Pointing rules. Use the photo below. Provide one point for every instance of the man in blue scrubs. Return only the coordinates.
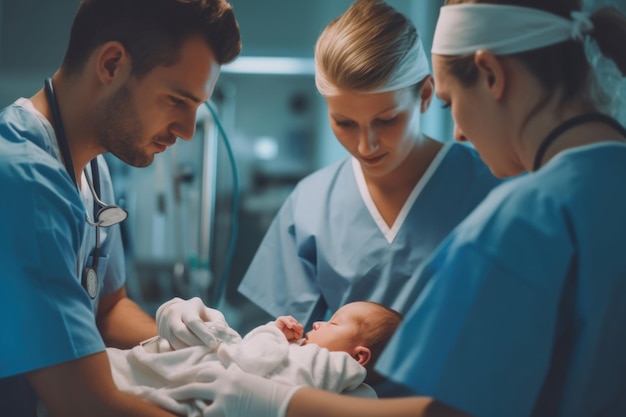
(133, 76)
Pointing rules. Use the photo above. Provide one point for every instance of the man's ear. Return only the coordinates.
(428, 90)
(491, 72)
(362, 355)
(112, 62)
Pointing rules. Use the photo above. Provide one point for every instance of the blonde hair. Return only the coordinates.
(370, 47)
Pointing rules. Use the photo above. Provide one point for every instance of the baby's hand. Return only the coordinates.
(290, 327)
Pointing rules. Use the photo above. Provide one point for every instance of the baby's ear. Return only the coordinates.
(362, 355)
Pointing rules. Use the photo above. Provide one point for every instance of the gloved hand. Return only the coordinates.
(232, 392)
(185, 323)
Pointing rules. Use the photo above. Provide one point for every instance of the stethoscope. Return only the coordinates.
(105, 215)
(570, 123)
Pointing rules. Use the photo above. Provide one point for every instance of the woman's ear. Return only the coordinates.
(112, 61)
(427, 92)
(491, 72)
(362, 355)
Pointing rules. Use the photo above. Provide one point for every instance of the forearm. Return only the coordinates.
(122, 323)
(308, 402)
(119, 405)
(127, 405)
(85, 387)
(312, 403)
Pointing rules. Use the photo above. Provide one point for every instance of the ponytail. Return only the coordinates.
(610, 35)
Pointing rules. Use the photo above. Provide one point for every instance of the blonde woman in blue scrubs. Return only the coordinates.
(359, 228)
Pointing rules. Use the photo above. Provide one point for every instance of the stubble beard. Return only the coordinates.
(119, 129)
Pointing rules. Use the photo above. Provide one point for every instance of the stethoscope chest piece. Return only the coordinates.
(90, 282)
(110, 215)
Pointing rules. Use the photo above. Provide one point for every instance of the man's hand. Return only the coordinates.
(185, 323)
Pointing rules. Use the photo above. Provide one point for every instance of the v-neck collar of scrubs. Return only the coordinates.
(391, 232)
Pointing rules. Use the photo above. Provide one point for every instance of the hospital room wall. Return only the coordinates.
(33, 35)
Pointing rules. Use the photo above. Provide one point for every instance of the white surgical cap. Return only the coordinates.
(501, 29)
(411, 70)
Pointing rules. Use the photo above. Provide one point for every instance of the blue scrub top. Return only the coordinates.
(522, 312)
(45, 314)
(325, 247)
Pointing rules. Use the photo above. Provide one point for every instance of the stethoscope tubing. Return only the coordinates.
(94, 185)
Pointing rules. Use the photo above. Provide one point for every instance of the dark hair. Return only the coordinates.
(564, 65)
(151, 30)
(377, 331)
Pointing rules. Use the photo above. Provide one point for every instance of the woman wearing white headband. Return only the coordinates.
(523, 309)
(358, 229)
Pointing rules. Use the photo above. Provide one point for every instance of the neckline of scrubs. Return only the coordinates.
(390, 233)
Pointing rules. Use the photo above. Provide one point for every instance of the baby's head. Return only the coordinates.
(361, 328)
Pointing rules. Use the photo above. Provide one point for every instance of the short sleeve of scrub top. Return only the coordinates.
(45, 314)
(276, 258)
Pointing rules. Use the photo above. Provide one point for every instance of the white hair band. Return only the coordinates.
(502, 29)
(412, 69)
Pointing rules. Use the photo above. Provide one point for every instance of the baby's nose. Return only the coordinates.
(317, 325)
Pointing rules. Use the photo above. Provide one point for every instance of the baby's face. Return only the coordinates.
(341, 332)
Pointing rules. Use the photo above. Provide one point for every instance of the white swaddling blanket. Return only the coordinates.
(264, 351)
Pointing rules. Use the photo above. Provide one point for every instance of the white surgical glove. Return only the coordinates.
(185, 323)
(234, 393)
